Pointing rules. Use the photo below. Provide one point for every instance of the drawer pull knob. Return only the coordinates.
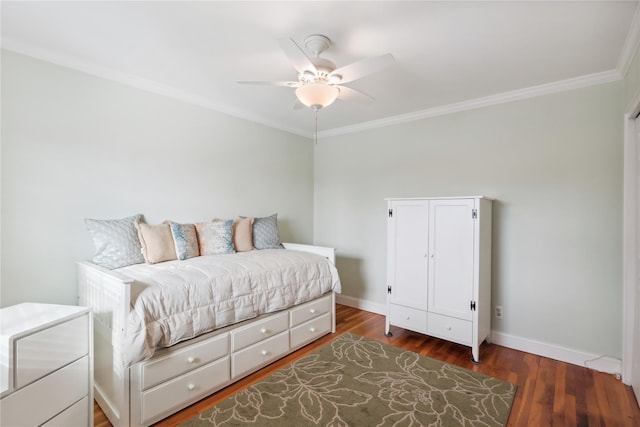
(312, 329)
(264, 352)
(312, 311)
(263, 330)
(191, 359)
(408, 318)
(448, 327)
(191, 386)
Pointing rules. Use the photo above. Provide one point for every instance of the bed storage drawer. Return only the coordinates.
(310, 310)
(258, 331)
(184, 360)
(313, 329)
(259, 354)
(179, 392)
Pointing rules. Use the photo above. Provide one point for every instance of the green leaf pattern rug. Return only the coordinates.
(355, 381)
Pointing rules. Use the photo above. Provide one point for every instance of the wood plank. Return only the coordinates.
(550, 393)
(560, 396)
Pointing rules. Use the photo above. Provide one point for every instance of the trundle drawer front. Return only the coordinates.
(409, 318)
(181, 391)
(450, 328)
(259, 354)
(307, 332)
(259, 330)
(59, 390)
(310, 310)
(62, 344)
(184, 360)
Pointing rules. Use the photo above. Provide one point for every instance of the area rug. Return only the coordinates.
(355, 381)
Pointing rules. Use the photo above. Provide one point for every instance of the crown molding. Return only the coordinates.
(501, 98)
(190, 98)
(631, 44)
(139, 83)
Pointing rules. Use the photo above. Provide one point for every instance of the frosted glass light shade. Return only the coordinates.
(317, 95)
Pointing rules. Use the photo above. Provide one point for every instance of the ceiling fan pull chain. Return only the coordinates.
(315, 134)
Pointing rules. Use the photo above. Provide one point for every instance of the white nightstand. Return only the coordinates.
(46, 361)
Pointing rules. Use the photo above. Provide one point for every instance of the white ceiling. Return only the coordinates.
(446, 53)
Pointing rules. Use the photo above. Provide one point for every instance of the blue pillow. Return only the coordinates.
(185, 240)
(265, 233)
(116, 241)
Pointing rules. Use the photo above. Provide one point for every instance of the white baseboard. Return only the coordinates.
(372, 307)
(606, 364)
(596, 362)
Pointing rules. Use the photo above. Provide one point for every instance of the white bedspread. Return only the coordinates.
(177, 300)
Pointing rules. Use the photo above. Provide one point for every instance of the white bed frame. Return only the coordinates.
(178, 376)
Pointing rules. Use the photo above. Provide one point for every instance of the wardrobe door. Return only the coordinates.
(407, 253)
(451, 257)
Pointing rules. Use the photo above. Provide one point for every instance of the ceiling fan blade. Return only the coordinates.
(296, 55)
(361, 68)
(285, 84)
(349, 94)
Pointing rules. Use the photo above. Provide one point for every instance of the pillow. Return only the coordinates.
(243, 235)
(185, 240)
(157, 242)
(265, 233)
(214, 238)
(116, 241)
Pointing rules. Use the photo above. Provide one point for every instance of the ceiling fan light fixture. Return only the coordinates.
(317, 95)
(334, 79)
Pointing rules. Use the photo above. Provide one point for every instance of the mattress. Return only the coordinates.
(177, 300)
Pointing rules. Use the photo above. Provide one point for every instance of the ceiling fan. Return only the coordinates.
(319, 82)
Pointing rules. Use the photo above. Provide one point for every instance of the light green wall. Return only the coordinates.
(554, 165)
(76, 146)
(632, 82)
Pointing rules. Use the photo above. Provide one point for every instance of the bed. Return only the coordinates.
(156, 353)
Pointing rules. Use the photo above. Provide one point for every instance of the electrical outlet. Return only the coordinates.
(498, 312)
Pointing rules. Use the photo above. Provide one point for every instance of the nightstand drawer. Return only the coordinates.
(259, 354)
(76, 415)
(181, 361)
(33, 405)
(310, 310)
(307, 332)
(62, 344)
(450, 328)
(259, 331)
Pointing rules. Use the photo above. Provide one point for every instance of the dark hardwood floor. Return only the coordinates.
(550, 393)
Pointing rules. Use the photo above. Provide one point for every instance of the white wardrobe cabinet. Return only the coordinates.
(439, 268)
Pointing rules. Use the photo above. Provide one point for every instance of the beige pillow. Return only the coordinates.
(157, 242)
(242, 234)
